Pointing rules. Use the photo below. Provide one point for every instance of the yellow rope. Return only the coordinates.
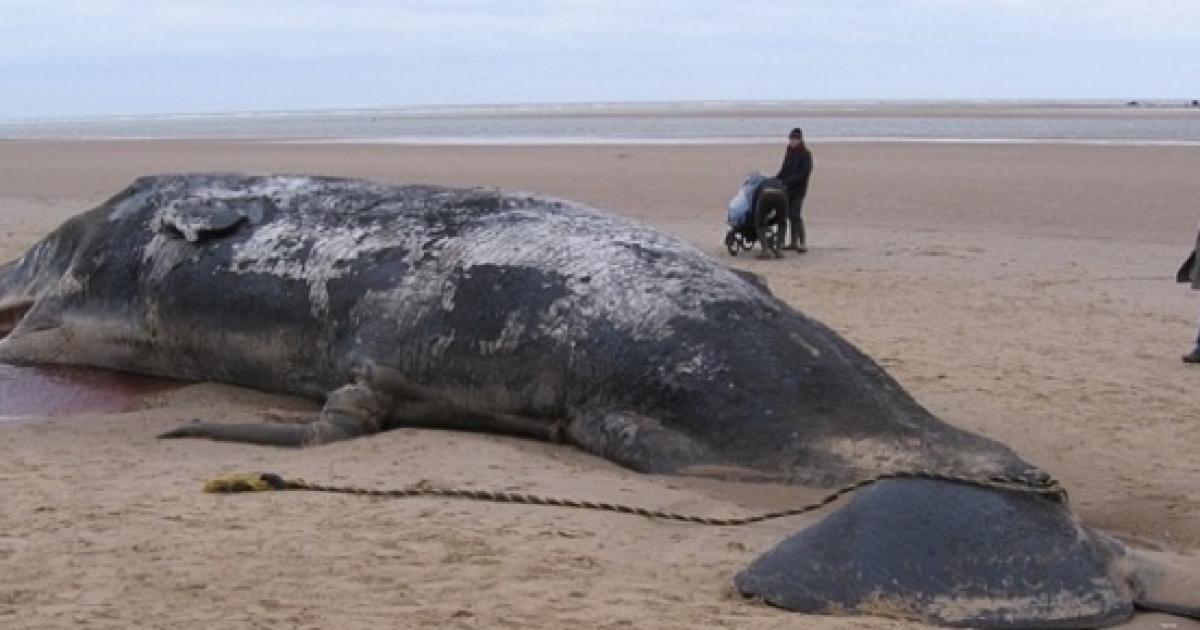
(242, 482)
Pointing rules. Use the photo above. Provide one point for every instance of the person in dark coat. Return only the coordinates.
(795, 172)
(1189, 272)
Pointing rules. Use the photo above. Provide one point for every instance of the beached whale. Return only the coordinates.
(518, 314)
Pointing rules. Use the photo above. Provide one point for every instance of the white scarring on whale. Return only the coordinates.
(520, 314)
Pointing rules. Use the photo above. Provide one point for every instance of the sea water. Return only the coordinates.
(657, 123)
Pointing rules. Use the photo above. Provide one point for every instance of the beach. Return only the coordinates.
(1021, 290)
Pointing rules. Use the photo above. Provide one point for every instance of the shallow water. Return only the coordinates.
(697, 122)
(44, 391)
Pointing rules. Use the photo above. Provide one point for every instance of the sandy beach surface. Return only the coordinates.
(1023, 291)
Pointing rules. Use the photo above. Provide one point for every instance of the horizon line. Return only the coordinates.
(625, 106)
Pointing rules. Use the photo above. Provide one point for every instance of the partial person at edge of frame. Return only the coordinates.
(1189, 272)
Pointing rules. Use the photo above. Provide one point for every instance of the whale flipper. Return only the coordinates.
(349, 412)
(950, 554)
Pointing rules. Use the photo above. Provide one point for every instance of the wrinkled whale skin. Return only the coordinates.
(514, 313)
(636, 346)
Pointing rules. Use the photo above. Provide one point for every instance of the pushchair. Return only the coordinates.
(757, 214)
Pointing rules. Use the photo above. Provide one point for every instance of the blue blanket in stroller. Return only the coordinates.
(741, 207)
(757, 212)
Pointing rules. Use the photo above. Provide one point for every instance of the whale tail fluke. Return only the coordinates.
(958, 555)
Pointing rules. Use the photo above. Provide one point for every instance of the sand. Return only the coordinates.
(1022, 291)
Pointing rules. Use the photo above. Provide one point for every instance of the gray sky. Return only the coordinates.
(100, 57)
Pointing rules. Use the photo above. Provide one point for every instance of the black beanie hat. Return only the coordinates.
(796, 134)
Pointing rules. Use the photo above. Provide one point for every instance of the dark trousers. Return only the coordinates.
(796, 217)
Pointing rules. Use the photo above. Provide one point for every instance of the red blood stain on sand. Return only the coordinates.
(41, 391)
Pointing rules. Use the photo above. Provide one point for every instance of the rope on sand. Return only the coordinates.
(262, 482)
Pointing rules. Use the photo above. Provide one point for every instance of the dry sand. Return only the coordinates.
(1021, 291)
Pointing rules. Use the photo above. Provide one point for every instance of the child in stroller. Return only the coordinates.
(757, 214)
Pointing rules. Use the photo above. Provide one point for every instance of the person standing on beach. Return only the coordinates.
(795, 172)
(1189, 272)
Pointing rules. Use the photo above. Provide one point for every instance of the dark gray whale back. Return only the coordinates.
(507, 312)
(644, 349)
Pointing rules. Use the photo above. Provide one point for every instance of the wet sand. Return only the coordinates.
(1021, 291)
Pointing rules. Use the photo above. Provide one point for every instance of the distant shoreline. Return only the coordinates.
(998, 107)
(467, 142)
(1077, 122)
(614, 142)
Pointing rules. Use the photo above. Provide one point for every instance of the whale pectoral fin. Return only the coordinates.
(349, 412)
(246, 433)
(949, 554)
(1166, 582)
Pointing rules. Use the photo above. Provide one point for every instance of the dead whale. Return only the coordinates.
(511, 313)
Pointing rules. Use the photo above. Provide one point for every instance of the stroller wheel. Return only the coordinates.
(732, 242)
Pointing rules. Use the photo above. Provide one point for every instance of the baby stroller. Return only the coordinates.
(756, 215)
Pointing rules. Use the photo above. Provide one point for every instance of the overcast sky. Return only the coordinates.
(100, 57)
